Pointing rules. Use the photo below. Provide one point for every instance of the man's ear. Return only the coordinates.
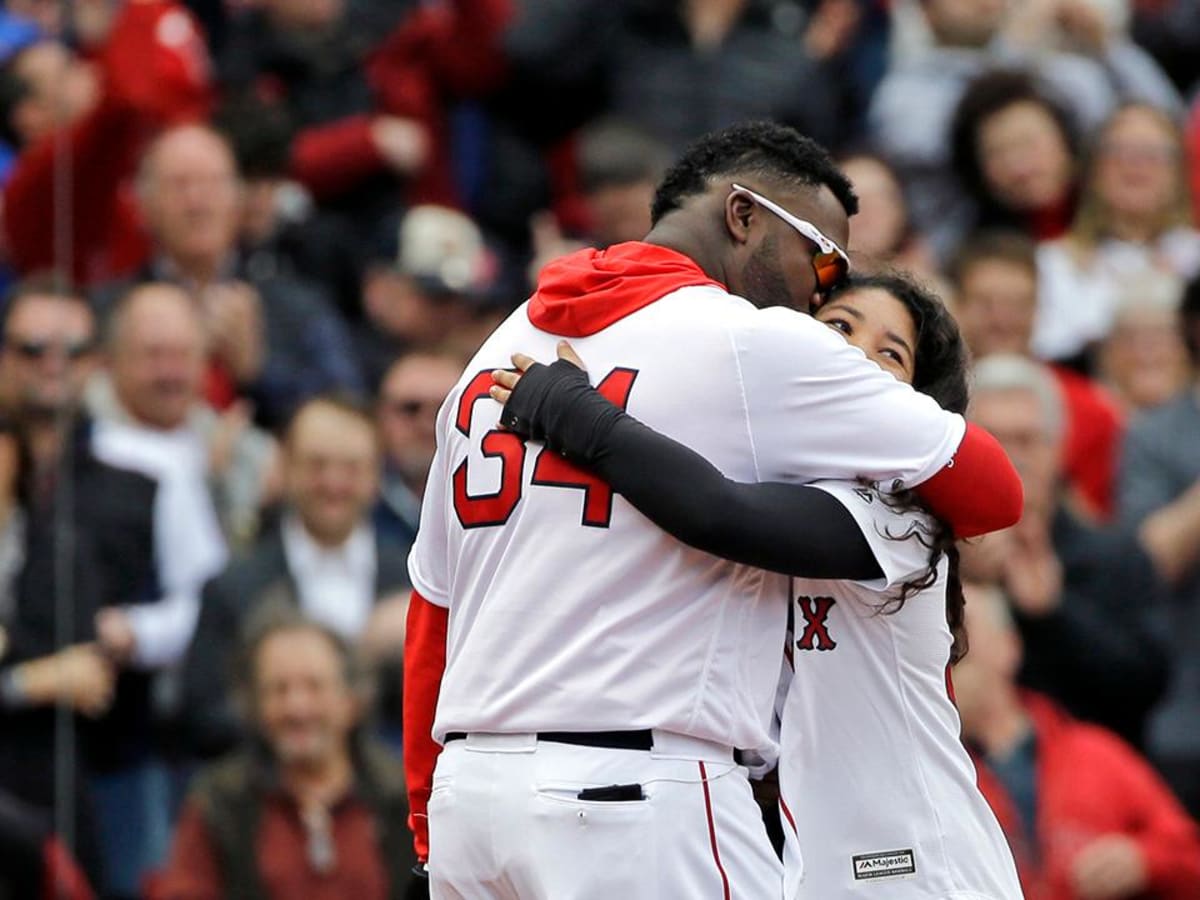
(739, 215)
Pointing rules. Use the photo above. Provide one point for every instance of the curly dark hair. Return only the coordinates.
(941, 364)
(766, 149)
(987, 95)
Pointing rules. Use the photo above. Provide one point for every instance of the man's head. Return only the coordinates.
(409, 397)
(49, 348)
(190, 196)
(44, 86)
(1019, 402)
(995, 276)
(986, 676)
(303, 687)
(1143, 359)
(964, 23)
(156, 354)
(426, 274)
(331, 467)
(619, 166)
(749, 246)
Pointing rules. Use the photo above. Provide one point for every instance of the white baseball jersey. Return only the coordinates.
(570, 611)
(879, 795)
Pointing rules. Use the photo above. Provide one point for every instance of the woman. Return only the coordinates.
(875, 785)
(1014, 150)
(1134, 218)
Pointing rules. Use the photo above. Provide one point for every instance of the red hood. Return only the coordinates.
(586, 291)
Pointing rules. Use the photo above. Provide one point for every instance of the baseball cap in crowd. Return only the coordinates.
(443, 250)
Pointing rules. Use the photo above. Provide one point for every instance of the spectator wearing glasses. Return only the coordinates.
(325, 557)
(1135, 216)
(90, 609)
(307, 806)
(409, 399)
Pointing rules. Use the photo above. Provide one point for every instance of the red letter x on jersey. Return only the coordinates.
(816, 635)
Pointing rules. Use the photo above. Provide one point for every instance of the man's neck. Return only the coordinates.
(674, 234)
(46, 438)
(319, 784)
(196, 273)
(327, 541)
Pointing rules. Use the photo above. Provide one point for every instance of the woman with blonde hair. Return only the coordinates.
(1134, 217)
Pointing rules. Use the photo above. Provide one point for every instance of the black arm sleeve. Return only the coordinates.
(786, 528)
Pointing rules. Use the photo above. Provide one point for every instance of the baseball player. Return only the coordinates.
(588, 676)
(877, 792)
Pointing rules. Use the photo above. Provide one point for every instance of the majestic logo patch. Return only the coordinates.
(865, 494)
(890, 864)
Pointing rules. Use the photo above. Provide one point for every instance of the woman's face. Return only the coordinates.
(1137, 164)
(877, 324)
(1024, 157)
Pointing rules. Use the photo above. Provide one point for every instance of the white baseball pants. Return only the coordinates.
(505, 821)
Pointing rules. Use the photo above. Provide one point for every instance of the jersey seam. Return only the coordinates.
(741, 387)
(921, 773)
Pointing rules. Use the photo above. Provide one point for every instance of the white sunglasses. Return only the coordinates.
(830, 263)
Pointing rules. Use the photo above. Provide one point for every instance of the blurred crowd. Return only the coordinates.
(249, 245)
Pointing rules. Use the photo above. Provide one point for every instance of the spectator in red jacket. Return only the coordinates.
(153, 71)
(1086, 816)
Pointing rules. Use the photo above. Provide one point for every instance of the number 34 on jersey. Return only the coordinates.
(550, 470)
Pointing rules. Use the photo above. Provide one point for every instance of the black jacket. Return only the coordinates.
(88, 545)
(227, 603)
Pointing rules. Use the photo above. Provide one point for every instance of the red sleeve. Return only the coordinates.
(100, 149)
(330, 159)
(457, 46)
(156, 61)
(424, 662)
(193, 871)
(978, 490)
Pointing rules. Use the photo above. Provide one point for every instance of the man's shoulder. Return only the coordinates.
(254, 571)
(117, 490)
(1163, 422)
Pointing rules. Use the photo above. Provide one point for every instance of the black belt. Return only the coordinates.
(613, 740)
